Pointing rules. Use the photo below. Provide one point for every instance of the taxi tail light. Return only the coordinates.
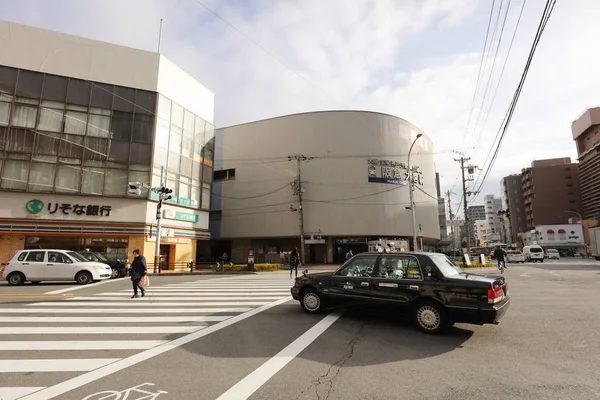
(494, 295)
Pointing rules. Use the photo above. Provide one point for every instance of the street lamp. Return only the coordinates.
(574, 212)
(410, 189)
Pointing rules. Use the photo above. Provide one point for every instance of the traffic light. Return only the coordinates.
(164, 192)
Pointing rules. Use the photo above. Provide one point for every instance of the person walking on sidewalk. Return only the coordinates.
(138, 269)
(294, 262)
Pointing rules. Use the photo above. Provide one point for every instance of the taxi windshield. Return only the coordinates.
(446, 266)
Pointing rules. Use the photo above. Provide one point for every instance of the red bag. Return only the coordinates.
(145, 281)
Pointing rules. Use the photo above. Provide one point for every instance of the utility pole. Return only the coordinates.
(466, 194)
(298, 190)
(448, 196)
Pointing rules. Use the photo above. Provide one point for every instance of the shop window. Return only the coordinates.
(184, 190)
(124, 99)
(8, 80)
(102, 95)
(68, 179)
(186, 166)
(195, 193)
(175, 139)
(160, 156)
(71, 146)
(177, 115)
(122, 124)
(164, 109)
(173, 184)
(206, 196)
(99, 124)
(20, 140)
(4, 112)
(78, 92)
(29, 84)
(41, 177)
(24, 116)
(145, 102)
(140, 154)
(142, 128)
(14, 174)
(227, 174)
(174, 159)
(75, 122)
(93, 180)
(197, 170)
(115, 183)
(119, 152)
(51, 119)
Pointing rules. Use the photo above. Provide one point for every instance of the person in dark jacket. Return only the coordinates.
(138, 269)
(499, 255)
(294, 262)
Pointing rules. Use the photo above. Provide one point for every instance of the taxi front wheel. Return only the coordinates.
(311, 301)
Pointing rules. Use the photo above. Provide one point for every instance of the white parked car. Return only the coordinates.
(553, 254)
(53, 265)
(515, 256)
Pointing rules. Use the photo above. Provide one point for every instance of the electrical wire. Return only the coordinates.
(507, 119)
(253, 196)
(433, 197)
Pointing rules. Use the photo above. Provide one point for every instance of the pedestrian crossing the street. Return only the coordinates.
(61, 339)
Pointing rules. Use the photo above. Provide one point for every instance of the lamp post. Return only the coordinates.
(576, 213)
(410, 190)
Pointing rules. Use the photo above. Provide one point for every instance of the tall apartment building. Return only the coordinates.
(585, 133)
(514, 205)
(474, 213)
(492, 206)
(550, 191)
(441, 209)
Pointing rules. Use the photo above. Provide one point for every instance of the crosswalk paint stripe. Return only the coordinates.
(224, 290)
(13, 393)
(153, 304)
(135, 344)
(132, 310)
(224, 287)
(176, 298)
(224, 284)
(96, 330)
(128, 319)
(196, 294)
(55, 365)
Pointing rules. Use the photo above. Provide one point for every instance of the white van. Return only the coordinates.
(533, 253)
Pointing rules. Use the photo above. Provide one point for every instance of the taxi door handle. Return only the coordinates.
(413, 287)
(25, 263)
(50, 264)
(364, 284)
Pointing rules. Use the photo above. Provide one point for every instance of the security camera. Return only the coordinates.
(134, 188)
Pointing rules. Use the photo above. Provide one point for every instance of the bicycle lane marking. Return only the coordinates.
(116, 395)
(252, 382)
(81, 380)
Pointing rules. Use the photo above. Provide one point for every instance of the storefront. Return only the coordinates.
(112, 226)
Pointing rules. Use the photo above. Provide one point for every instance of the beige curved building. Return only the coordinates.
(354, 185)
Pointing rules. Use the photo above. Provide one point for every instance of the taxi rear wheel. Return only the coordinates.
(430, 317)
(311, 301)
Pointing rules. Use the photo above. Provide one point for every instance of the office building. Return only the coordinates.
(492, 208)
(79, 119)
(587, 139)
(514, 205)
(550, 192)
(441, 209)
(474, 213)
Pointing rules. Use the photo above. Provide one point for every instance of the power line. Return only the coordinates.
(507, 119)
(253, 196)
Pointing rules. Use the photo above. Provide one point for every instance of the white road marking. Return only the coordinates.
(147, 304)
(232, 290)
(13, 393)
(196, 294)
(59, 365)
(33, 345)
(130, 319)
(228, 285)
(118, 365)
(132, 310)
(150, 298)
(252, 382)
(524, 275)
(74, 330)
(78, 287)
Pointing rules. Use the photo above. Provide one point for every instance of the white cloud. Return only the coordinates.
(355, 55)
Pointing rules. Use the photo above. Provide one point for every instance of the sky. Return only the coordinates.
(415, 59)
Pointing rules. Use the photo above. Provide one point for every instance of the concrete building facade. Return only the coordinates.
(79, 119)
(354, 171)
(586, 134)
(514, 205)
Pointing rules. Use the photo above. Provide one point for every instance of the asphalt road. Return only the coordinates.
(260, 345)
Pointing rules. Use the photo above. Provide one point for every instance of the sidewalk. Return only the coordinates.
(208, 271)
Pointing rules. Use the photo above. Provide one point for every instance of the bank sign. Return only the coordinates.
(36, 207)
(393, 172)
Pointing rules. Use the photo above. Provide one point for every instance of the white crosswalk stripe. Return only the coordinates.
(82, 333)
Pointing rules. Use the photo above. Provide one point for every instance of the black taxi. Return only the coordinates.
(429, 286)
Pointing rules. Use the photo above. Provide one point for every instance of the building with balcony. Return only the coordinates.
(550, 192)
(585, 130)
(493, 206)
(79, 119)
(474, 213)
